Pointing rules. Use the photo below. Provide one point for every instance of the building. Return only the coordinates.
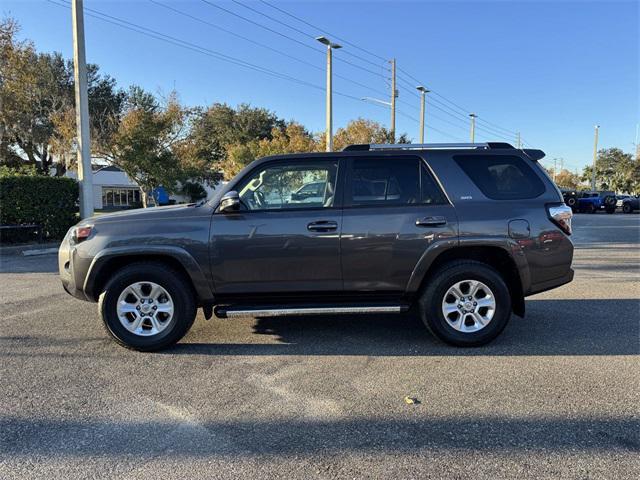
(114, 190)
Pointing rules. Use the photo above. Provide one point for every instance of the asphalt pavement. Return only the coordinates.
(555, 396)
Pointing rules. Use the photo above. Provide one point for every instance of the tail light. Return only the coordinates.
(82, 233)
(561, 215)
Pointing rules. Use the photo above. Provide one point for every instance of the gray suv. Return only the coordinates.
(461, 232)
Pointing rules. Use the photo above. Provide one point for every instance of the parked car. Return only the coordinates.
(591, 202)
(461, 232)
(630, 204)
(570, 198)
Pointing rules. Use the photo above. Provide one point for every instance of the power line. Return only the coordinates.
(430, 126)
(487, 126)
(462, 110)
(262, 45)
(230, 12)
(297, 29)
(196, 48)
(324, 30)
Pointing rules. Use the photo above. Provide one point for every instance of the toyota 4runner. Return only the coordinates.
(461, 232)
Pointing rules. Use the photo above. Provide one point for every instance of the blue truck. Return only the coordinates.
(591, 202)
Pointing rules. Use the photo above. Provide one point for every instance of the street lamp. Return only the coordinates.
(423, 92)
(329, 128)
(473, 117)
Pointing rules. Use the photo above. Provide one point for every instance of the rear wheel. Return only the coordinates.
(147, 306)
(591, 208)
(466, 303)
(626, 208)
(611, 210)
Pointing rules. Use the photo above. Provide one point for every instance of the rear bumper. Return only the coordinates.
(551, 284)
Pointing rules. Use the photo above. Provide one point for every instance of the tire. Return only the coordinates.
(626, 208)
(432, 302)
(591, 208)
(611, 210)
(178, 297)
(571, 202)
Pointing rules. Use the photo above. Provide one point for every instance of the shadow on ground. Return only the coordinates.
(22, 436)
(551, 327)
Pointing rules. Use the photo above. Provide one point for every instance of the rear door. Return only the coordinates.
(393, 211)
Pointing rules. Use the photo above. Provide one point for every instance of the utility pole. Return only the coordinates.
(637, 146)
(555, 169)
(595, 157)
(518, 141)
(329, 106)
(423, 93)
(85, 174)
(394, 94)
(473, 126)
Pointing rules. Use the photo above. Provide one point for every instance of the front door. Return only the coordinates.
(393, 211)
(286, 236)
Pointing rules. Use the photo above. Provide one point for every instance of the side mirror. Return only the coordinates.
(230, 202)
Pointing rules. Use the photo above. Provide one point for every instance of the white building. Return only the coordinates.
(113, 189)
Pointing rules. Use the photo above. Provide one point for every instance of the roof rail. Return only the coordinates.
(423, 146)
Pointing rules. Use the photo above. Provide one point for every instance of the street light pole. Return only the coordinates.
(85, 174)
(595, 157)
(329, 101)
(423, 93)
(393, 100)
(473, 126)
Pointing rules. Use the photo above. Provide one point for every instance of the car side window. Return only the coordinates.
(289, 185)
(385, 182)
(431, 192)
(393, 181)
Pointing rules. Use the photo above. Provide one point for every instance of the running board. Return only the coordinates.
(224, 311)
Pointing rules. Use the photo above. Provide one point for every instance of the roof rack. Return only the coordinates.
(424, 146)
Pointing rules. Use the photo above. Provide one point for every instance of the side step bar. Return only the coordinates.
(230, 311)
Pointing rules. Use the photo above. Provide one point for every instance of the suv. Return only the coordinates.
(461, 232)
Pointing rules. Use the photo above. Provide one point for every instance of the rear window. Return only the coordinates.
(501, 177)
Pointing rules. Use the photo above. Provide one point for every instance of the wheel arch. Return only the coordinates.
(108, 261)
(496, 256)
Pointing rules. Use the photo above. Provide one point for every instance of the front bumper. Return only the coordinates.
(72, 270)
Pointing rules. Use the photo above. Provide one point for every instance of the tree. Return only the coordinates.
(363, 131)
(566, 179)
(293, 138)
(145, 143)
(220, 125)
(615, 170)
(37, 118)
(194, 191)
(33, 89)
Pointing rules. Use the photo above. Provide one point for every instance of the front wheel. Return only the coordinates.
(147, 306)
(626, 208)
(466, 303)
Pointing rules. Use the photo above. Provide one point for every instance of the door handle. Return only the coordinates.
(322, 226)
(431, 222)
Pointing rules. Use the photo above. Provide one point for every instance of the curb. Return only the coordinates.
(48, 248)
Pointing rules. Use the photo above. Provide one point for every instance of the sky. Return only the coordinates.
(550, 70)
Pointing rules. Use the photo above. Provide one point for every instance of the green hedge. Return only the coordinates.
(49, 201)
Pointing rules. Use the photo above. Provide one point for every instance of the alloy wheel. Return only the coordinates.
(468, 306)
(145, 308)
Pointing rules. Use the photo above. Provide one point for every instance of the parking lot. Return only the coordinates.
(555, 396)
